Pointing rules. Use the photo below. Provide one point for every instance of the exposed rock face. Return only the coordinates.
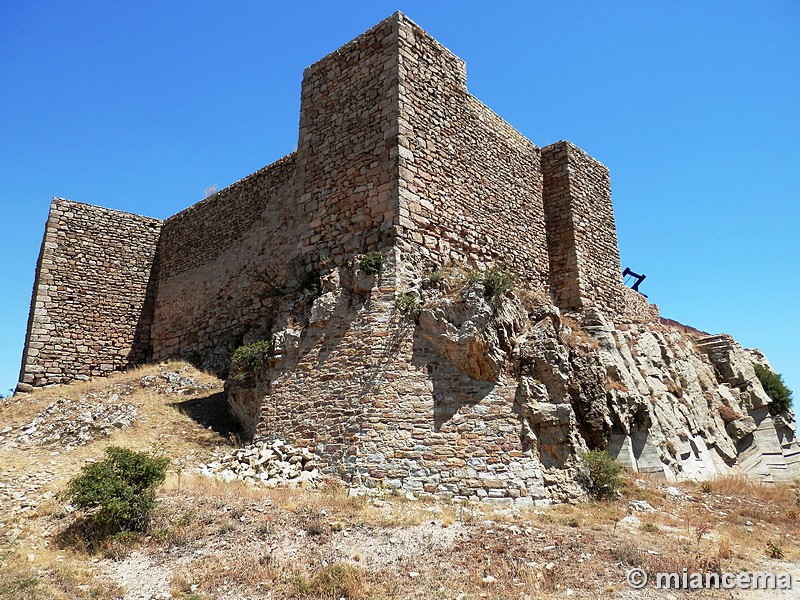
(690, 407)
(497, 398)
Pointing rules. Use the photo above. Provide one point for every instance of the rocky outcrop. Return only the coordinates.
(468, 394)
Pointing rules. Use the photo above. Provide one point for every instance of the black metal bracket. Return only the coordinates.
(639, 279)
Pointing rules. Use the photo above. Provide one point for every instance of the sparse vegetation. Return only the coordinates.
(371, 263)
(604, 472)
(118, 493)
(775, 387)
(497, 281)
(408, 304)
(435, 276)
(248, 360)
(774, 550)
(327, 543)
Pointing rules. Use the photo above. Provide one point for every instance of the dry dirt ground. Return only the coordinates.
(211, 539)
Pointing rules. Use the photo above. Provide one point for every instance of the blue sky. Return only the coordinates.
(692, 105)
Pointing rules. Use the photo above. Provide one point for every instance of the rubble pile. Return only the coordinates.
(265, 463)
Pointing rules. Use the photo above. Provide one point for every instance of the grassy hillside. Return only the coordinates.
(211, 539)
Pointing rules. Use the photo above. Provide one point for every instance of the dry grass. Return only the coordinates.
(219, 539)
(47, 575)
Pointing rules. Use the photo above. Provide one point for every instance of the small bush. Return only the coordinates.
(775, 388)
(248, 360)
(499, 281)
(372, 262)
(118, 493)
(774, 550)
(408, 304)
(604, 474)
(435, 276)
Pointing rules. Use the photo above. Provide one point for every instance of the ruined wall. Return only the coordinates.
(91, 307)
(470, 185)
(581, 235)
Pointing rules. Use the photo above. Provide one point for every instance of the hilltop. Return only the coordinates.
(213, 538)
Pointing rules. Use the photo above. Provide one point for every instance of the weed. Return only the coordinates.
(371, 263)
(435, 276)
(774, 550)
(499, 281)
(408, 304)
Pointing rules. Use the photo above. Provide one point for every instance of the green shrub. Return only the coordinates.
(248, 360)
(408, 304)
(118, 493)
(775, 388)
(604, 474)
(435, 276)
(499, 281)
(372, 262)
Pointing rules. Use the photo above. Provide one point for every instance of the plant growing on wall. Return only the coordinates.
(775, 387)
(408, 304)
(248, 360)
(497, 281)
(372, 262)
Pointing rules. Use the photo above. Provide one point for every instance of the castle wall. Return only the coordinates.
(581, 235)
(217, 259)
(361, 387)
(382, 408)
(346, 151)
(226, 258)
(470, 185)
(91, 306)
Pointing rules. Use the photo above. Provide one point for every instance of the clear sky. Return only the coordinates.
(694, 107)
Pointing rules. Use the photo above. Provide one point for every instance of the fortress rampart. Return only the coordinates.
(393, 155)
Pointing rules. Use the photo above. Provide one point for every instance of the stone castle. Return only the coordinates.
(394, 157)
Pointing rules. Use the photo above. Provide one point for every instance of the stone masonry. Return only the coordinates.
(93, 295)
(393, 152)
(416, 376)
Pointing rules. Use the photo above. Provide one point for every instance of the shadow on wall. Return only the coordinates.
(452, 388)
(141, 350)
